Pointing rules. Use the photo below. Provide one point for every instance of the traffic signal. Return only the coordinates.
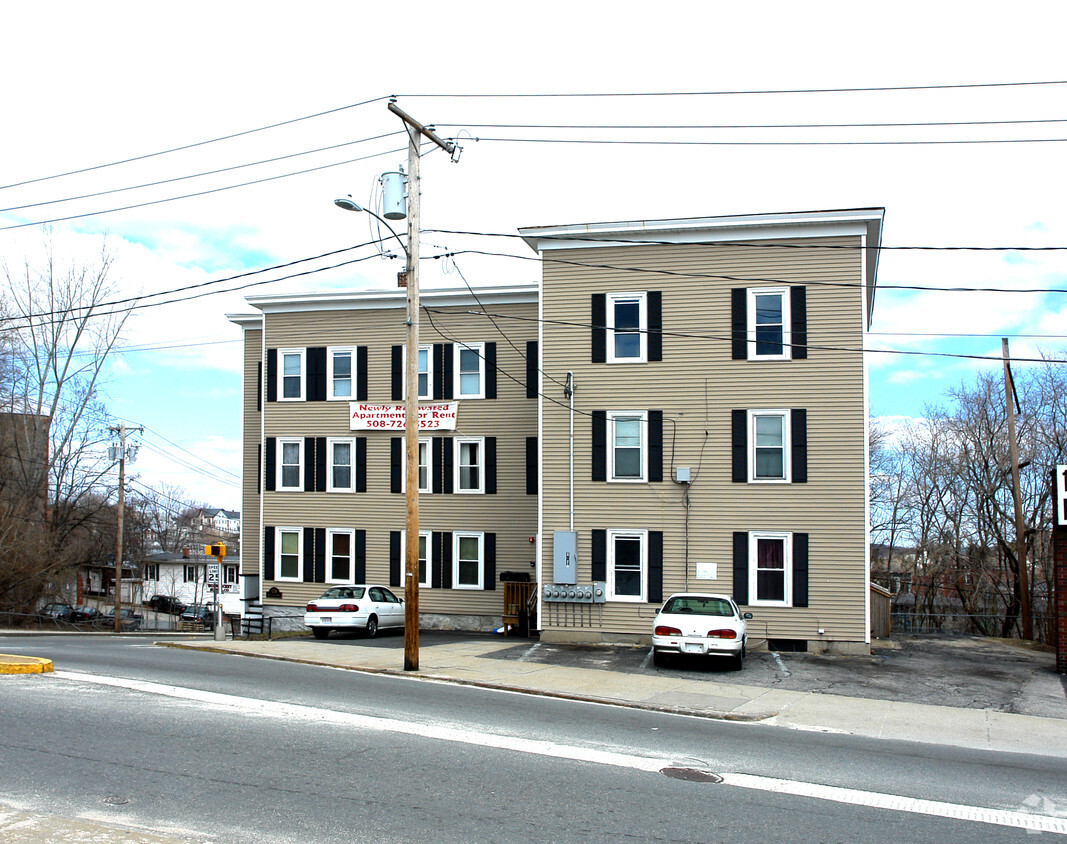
(218, 550)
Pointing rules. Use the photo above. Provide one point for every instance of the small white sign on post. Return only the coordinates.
(1061, 495)
(213, 573)
(439, 416)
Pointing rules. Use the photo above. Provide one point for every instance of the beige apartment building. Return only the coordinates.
(678, 405)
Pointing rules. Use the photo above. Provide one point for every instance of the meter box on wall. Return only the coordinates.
(586, 593)
(565, 556)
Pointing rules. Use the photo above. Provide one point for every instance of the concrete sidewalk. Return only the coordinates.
(473, 662)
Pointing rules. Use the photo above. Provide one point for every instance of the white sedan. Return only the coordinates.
(702, 624)
(364, 607)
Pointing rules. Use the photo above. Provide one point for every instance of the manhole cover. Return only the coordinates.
(115, 800)
(690, 774)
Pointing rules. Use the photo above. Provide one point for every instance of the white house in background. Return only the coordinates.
(185, 577)
(224, 521)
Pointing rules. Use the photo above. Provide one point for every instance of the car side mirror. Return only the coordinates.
(747, 616)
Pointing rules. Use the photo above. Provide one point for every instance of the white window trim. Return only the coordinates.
(750, 312)
(227, 571)
(642, 326)
(428, 536)
(186, 568)
(428, 442)
(479, 348)
(643, 416)
(457, 450)
(281, 374)
(455, 559)
(429, 371)
(151, 572)
(330, 350)
(279, 486)
(642, 535)
(330, 442)
(753, 555)
(787, 446)
(330, 534)
(299, 554)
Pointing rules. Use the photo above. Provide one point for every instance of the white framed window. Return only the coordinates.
(340, 373)
(769, 446)
(230, 574)
(627, 446)
(340, 469)
(770, 569)
(290, 374)
(469, 465)
(470, 370)
(768, 323)
(289, 553)
(151, 571)
(189, 573)
(290, 464)
(425, 555)
(425, 466)
(340, 546)
(627, 565)
(627, 318)
(425, 372)
(468, 554)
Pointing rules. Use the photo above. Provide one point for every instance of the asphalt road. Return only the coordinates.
(205, 746)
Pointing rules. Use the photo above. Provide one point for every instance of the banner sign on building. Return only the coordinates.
(1061, 495)
(440, 416)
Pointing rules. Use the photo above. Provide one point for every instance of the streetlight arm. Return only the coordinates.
(348, 204)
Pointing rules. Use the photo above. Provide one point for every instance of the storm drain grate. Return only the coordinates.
(116, 800)
(690, 774)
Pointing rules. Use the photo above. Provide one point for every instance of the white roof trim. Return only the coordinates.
(378, 299)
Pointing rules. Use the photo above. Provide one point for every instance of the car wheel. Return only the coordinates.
(372, 627)
(739, 661)
(320, 632)
(659, 658)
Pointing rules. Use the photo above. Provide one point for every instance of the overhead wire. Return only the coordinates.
(694, 126)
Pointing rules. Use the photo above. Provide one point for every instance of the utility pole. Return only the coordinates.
(121, 431)
(1020, 522)
(415, 132)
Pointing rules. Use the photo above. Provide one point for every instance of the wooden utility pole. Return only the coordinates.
(118, 538)
(415, 132)
(1020, 521)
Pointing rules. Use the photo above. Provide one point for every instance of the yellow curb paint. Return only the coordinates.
(11, 664)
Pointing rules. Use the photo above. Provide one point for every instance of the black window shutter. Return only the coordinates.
(259, 385)
(654, 308)
(361, 464)
(316, 389)
(598, 555)
(446, 560)
(320, 464)
(739, 323)
(598, 319)
(309, 464)
(396, 381)
(741, 567)
(320, 555)
(798, 318)
(394, 558)
(448, 360)
(259, 467)
(309, 555)
(600, 445)
(655, 446)
(438, 371)
(531, 369)
(359, 558)
(269, 469)
(435, 550)
(531, 465)
(739, 446)
(798, 434)
(655, 566)
(490, 370)
(396, 447)
(446, 464)
(437, 460)
(800, 569)
(268, 552)
(361, 373)
(490, 465)
(489, 573)
(272, 375)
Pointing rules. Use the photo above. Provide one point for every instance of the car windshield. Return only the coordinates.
(344, 592)
(697, 605)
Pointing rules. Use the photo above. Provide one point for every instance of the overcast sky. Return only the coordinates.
(90, 84)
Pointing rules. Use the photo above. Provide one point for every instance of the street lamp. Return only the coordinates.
(349, 204)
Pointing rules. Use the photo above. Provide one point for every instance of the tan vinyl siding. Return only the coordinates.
(696, 385)
(251, 533)
(510, 513)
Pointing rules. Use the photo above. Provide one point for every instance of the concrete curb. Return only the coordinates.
(12, 664)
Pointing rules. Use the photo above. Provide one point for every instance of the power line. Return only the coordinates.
(677, 143)
(694, 126)
(196, 144)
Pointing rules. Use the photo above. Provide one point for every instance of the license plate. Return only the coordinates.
(692, 648)
(326, 618)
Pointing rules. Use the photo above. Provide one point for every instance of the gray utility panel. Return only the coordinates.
(565, 556)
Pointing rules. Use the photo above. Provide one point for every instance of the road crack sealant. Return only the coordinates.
(1033, 822)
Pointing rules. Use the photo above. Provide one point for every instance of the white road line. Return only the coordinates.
(850, 796)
